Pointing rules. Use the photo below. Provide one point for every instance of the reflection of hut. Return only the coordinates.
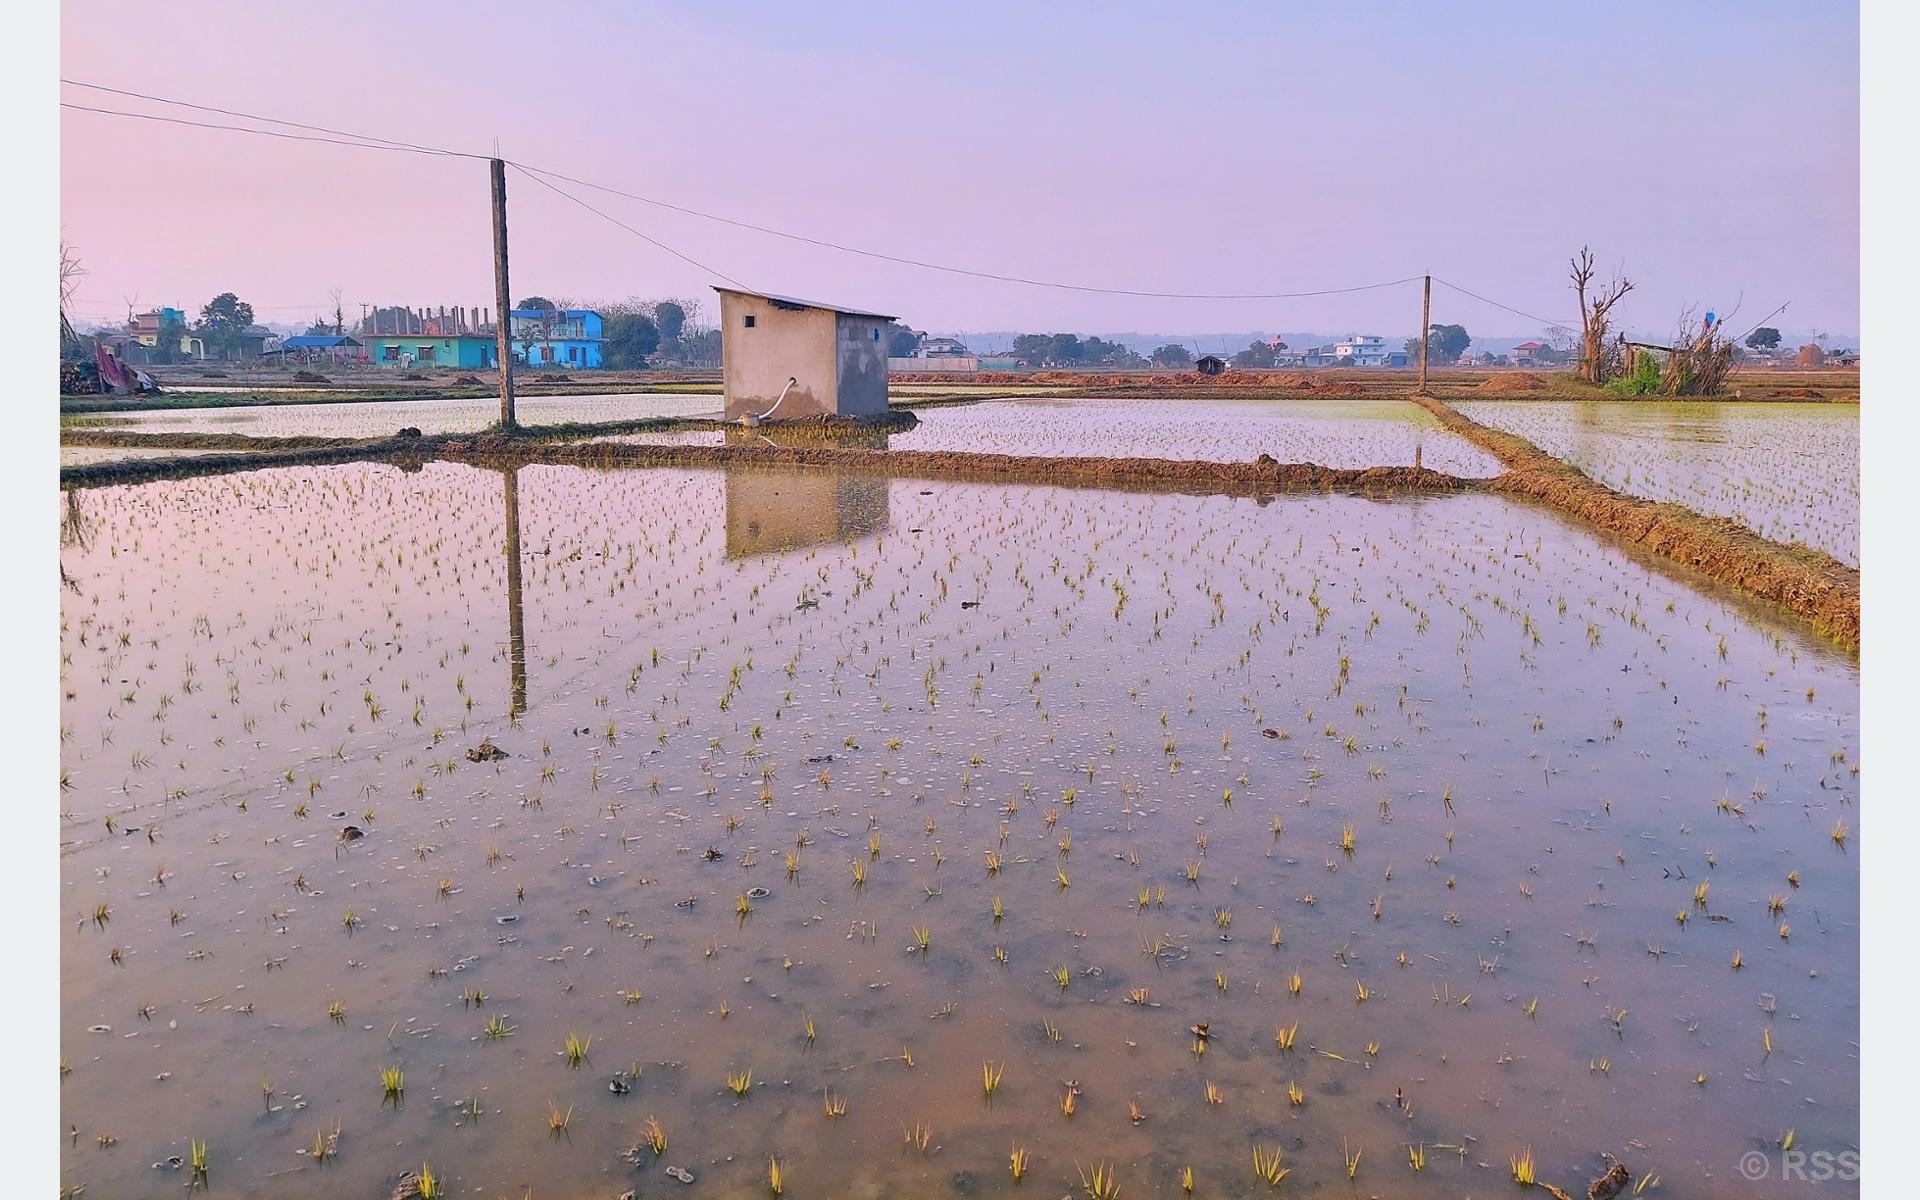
(769, 510)
(1209, 364)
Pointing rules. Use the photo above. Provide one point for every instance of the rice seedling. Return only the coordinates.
(1295, 1096)
(326, 1144)
(1283, 1036)
(776, 1179)
(497, 1028)
(1098, 1182)
(990, 1074)
(741, 1083)
(1063, 977)
(1267, 1168)
(1417, 1156)
(200, 1159)
(558, 1120)
(919, 1135)
(393, 1085)
(1017, 1162)
(1521, 1165)
(836, 1106)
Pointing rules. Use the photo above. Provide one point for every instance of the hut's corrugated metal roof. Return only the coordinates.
(799, 303)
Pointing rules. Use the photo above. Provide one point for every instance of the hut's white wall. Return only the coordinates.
(783, 343)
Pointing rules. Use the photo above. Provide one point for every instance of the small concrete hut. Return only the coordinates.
(835, 357)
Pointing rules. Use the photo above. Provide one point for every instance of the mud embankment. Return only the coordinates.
(1262, 475)
(1808, 582)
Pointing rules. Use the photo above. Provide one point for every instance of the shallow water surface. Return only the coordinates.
(379, 418)
(1790, 472)
(1425, 785)
(1334, 433)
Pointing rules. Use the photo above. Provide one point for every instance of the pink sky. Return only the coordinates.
(1238, 148)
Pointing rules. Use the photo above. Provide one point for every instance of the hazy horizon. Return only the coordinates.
(1233, 150)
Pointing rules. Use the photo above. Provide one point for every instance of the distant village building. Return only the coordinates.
(321, 347)
(1361, 350)
(561, 337)
(836, 357)
(1210, 364)
(471, 351)
(937, 354)
(1529, 354)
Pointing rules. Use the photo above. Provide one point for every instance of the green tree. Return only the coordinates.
(536, 304)
(1036, 348)
(629, 338)
(1445, 343)
(222, 320)
(1765, 338)
(1173, 354)
(1257, 356)
(901, 341)
(1066, 349)
(670, 318)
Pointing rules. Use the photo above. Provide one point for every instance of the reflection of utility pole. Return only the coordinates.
(516, 626)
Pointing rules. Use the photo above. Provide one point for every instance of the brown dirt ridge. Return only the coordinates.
(1808, 582)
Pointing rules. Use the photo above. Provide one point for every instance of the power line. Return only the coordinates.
(714, 271)
(228, 112)
(1484, 300)
(933, 266)
(273, 133)
(370, 142)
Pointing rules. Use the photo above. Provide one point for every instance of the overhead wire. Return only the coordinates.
(546, 177)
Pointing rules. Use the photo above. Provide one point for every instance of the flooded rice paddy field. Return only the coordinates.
(839, 789)
(80, 456)
(1789, 472)
(1334, 433)
(381, 418)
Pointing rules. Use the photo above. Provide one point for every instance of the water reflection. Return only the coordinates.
(516, 625)
(770, 512)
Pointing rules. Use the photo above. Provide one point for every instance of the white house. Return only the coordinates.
(1361, 350)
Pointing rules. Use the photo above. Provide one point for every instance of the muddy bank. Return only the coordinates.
(1261, 475)
(1808, 582)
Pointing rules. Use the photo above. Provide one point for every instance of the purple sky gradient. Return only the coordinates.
(1712, 148)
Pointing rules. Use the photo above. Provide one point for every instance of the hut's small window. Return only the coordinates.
(876, 335)
(749, 320)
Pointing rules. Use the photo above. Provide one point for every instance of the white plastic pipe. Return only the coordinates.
(751, 421)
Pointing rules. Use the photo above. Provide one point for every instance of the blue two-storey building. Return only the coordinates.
(568, 337)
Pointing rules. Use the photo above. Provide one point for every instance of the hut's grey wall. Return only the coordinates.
(863, 366)
(783, 343)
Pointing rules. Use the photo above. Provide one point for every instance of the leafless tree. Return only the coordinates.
(339, 316)
(71, 272)
(1599, 358)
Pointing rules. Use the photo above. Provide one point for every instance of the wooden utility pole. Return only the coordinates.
(502, 304)
(1426, 324)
